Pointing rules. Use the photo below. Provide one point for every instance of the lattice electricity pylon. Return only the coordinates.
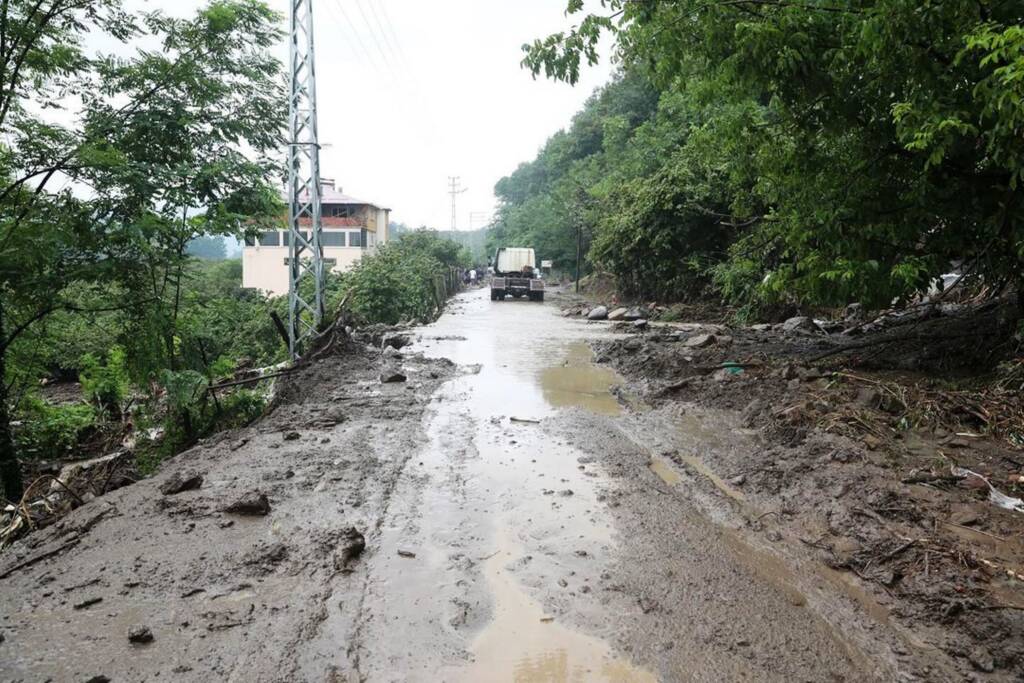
(305, 250)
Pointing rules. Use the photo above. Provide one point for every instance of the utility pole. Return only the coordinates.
(305, 251)
(454, 190)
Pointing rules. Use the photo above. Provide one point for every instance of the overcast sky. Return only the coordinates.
(413, 91)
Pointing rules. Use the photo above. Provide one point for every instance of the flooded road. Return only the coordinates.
(511, 552)
(492, 506)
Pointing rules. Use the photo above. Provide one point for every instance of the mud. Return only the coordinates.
(867, 495)
(514, 511)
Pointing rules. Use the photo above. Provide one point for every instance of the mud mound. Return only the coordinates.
(866, 467)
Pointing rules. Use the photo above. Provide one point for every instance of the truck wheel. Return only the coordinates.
(494, 295)
(539, 297)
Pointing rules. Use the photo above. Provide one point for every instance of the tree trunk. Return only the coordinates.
(10, 470)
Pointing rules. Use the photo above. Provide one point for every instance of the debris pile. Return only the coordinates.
(51, 496)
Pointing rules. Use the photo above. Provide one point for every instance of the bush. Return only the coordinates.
(51, 431)
(106, 385)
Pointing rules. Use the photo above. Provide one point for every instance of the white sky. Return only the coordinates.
(413, 91)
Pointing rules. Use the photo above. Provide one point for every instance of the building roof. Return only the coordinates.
(329, 194)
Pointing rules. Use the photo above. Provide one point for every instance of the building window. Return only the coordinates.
(270, 239)
(339, 211)
(331, 238)
(355, 238)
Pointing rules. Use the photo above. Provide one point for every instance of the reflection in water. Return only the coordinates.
(578, 382)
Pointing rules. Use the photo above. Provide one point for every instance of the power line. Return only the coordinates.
(362, 46)
(373, 34)
(387, 40)
(389, 25)
(454, 190)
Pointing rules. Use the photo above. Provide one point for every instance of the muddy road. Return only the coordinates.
(521, 522)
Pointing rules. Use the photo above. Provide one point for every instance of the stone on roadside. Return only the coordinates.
(699, 341)
(140, 635)
(640, 324)
(390, 375)
(618, 313)
(800, 324)
(181, 481)
(598, 313)
(633, 314)
(391, 352)
(253, 503)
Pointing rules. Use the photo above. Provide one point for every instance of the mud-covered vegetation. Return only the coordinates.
(794, 153)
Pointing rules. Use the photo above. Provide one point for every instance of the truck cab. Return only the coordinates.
(516, 274)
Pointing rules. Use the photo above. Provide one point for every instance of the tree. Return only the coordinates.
(171, 145)
(870, 144)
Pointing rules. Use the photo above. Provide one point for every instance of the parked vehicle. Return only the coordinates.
(516, 274)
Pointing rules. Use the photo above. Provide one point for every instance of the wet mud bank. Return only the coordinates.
(836, 485)
(229, 563)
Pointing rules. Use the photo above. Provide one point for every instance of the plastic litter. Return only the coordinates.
(995, 496)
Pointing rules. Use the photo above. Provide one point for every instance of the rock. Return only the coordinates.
(291, 436)
(773, 536)
(618, 313)
(88, 602)
(789, 371)
(99, 678)
(391, 375)
(868, 397)
(598, 313)
(352, 545)
(633, 314)
(801, 324)
(181, 481)
(982, 659)
(738, 480)
(140, 635)
(808, 374)
(700, 341)
(871, 441)
(391, 352)
(253, 503)
(854, 313)
(761, 327)
(640, 324)
(964, 516)
(406, 553)
(396, 340)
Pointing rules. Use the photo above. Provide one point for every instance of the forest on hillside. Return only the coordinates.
(781, 155)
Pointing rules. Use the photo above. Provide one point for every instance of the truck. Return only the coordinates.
(516, 274)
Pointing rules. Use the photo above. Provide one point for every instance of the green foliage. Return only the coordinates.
(177, 142)
(802, 154)
(106, 384)
(404, 280)
(51, 431)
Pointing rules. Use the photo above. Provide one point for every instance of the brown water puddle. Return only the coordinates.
(578, 382)
(663, 469)
(525, 645)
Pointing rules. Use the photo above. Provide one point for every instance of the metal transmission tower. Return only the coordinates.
(454, 190)
(305, 252)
